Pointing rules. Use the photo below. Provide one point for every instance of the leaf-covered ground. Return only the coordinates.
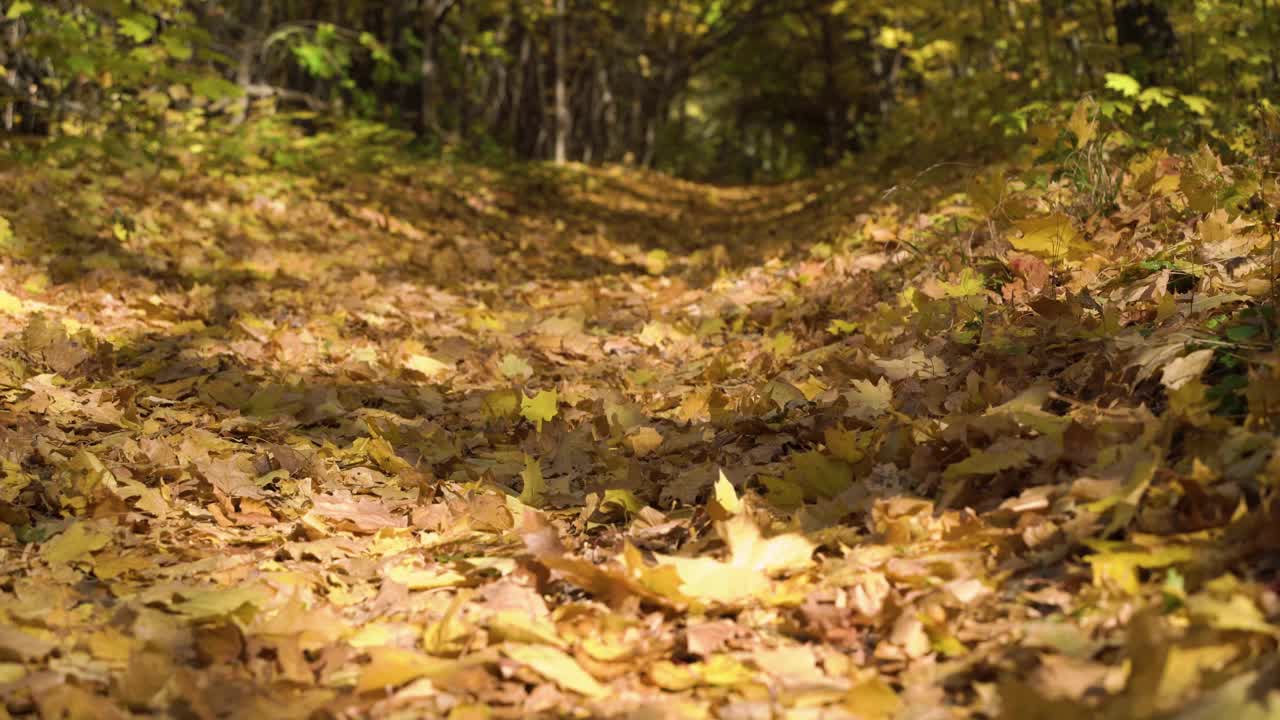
(437, 441)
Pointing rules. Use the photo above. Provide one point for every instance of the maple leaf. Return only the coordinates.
(724, 502)
(868, 400)
(540, 408)
(1049, 235)
(1082, 123)
(752, 560)
(534, 492)
(515, 368)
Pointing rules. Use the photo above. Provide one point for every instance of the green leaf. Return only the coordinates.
(82, 64)
(1197, 104)
(1123, 84)
(1240, 333)
(215, 88)
(18, 9)
(1156, 96)
(138, 28)
(178, 48)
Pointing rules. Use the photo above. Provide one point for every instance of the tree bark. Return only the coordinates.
(563, 116)
(433, 14)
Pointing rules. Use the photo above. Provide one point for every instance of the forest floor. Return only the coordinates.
(437, 440)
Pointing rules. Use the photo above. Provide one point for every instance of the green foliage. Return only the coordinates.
(732, 89)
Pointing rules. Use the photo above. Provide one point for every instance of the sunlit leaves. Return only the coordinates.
(138, 28)
(752, 560)
(18, 8)
(1123, 84)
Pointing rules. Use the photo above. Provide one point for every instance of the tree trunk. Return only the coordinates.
(563, 117)
(427, 120)
(833, 104)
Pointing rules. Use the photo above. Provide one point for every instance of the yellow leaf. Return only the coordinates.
(501, 404)
(724, 502)
(868, 400)
(74, 543)
(1119, 567)
(623, 498)
(726, 671)
(534, 492)
(415, 577)
(873, 700)
(203, 604)
(709, 580)
(1050, 235)
(1237, 612)
(540, 408)
(675, 678)
(427, 366)
(1082, 123)
(11, 672)
(748, 549)
(555, 665)
(752, 560)
(391, 667)
(643, 440)
(521, 627)
(10, 304)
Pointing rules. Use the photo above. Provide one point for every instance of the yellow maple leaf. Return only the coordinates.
(752, 560)
(724, 502)
(1049, 235)
(540, 408)
(868, 400)
(534, 492)
(1082, 123)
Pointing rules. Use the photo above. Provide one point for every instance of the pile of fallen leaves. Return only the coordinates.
(442, 441)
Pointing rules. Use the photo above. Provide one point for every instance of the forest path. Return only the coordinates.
(440, 441)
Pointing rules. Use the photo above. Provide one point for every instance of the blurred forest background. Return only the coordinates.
(733, 90)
